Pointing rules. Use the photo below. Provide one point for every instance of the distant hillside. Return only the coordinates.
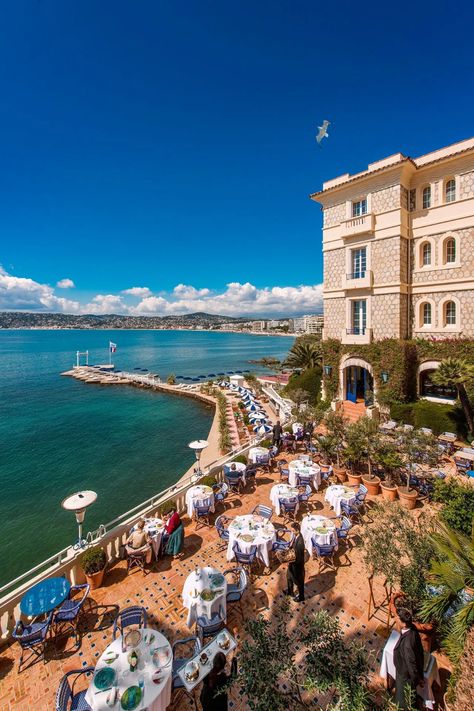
(16, 319)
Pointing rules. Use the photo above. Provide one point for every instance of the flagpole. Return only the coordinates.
(110, 354)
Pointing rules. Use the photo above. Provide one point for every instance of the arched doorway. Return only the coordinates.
(357, 381)
(428, 390)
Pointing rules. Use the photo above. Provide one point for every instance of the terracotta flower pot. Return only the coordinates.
(426, 630)
(407, 498)
(388, 492)
(353, 479)
(372, 484)
(95, 579)
(340, 474)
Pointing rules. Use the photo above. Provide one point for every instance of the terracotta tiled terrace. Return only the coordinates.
(343, 593)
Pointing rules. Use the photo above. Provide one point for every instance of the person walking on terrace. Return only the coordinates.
(277, 430)
(296, 572)
(408, 658)
(215, 684)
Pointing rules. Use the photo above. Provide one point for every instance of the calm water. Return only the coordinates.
(58, 435)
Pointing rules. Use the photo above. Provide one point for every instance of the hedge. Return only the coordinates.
(458, 500)
(309, 380)
(423, 413)
(240, 458)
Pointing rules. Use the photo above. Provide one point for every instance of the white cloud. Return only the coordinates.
(20, 293)
(141, 291)
(65, 284)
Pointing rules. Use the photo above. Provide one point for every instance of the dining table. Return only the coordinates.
(298, 467)
(431, 673)
(154, 527)
(148, 686)
(255, 452)
(318, 528)
(282, 491)
(204, 592)
(337, 493)
(199, 666)
(202, 493)
(251, 530)
(45, 596)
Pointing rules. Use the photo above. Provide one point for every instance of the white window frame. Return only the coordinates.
(449, 327)
(446, 182)
(363, 203)
(420, 324)
(442, 251)
(423, 189)
(424, 322)
(419, 254)
(368, 311)
(423, 246)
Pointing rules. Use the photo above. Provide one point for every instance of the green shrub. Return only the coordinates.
(423, 413)
(309, 380)
(208, 480)
(240, 458)
(93, 560)
(458, 500)
(265, 443)
(167, 507)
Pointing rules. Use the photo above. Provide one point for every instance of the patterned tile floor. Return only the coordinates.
(344, 593)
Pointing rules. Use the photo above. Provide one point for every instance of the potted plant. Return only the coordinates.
(329, 446)
(336, 426)
(362, 443)
(390, 460)
(93, 564)
(416, 449)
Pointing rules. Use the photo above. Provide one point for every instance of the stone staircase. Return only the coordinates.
(353, 411)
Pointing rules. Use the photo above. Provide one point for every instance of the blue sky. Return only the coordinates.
(153, 145)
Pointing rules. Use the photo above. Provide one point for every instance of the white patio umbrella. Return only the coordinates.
(262, 429)
(252, 408)
(257, 416)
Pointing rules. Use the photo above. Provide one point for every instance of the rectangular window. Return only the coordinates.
(359, 263)
(359, 317)
(426, 198)
(359, 208)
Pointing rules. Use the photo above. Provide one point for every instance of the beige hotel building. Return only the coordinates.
(398, 244)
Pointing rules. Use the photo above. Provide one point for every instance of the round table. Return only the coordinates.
(200, 492)
(44, 596)
(282, 491)
(312, 527)
(209, 579)
(156, 696)
(255, 452)
(155, 527)
(260, 533)
(297, 467)
(240, 467)
(337, 492)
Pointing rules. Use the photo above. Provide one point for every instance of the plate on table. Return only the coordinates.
(133, 638)
(191, 671)
(207, 595)
(223, 640)
(321, 529)
(247, 538)
(104, 678)
(109, 657)
(131, 698)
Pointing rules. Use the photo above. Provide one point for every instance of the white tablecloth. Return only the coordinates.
(335, 493)
(261, 531)
(281, 491)
(154, 527)
(296, 426)
(297, 467)
(309, 526)
(199, 493)
(194, 585)
(255, 452)
(156, 696)
(239, 467)
(431, 675)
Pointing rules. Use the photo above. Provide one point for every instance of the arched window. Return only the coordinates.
(426, 314)
(450, 251)
(450, 313)
(450, 190)
(426, 197)
(426, 254)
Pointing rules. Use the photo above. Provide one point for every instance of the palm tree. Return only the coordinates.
(304, 355)
(452, 574)
(458, 373)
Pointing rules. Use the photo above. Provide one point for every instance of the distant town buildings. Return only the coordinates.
(309, 324)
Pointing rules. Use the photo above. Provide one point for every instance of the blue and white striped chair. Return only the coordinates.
(209, 627)
(264, 511)
(202, 512)
(289, 508)
(281, 543)
(324, 553)
(220, 493)
(235, 590)
(304, 496)
(32, 637)
(263, 461)
(133, 615)
(245, 559)
(352, 511)
(66, 699)
(222, 530)
(282, 465)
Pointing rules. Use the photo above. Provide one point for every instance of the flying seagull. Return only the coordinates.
(323, 132)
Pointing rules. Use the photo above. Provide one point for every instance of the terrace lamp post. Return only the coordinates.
(78, 503)
(198, 446)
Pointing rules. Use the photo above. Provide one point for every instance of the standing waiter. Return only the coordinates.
(295, 575)
(408, 658)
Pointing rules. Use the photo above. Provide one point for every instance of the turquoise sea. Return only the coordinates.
(59, 435)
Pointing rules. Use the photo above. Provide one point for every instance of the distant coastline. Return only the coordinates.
(191, 330)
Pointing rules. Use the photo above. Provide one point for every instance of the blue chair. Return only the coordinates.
(220, 493)
(324, 553)
(251, 473)
(263, 461)
(281, 543)
(264, 511)
(342, 531)
(282, 465)
(361, 493)
(202, 511)
(289, 507)
(134, 615)
(221, 530)
(233, 481)
(352, 511)
(310, 448)
(304, 496)
(303, 480)
(66, 699)
(32, 637)
(69, 612)
(245, 559)
(236, 590)
(209, 627)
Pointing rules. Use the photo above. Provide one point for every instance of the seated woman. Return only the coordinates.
(173, 536)
(139, 540)
(214, 688)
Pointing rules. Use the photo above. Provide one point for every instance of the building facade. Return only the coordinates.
(398, 246)
(309, 324)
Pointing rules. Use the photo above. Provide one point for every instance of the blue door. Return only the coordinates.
(351, 383)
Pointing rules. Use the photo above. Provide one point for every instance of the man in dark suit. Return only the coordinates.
(277, 430)
(295, 575)
(408, 658)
